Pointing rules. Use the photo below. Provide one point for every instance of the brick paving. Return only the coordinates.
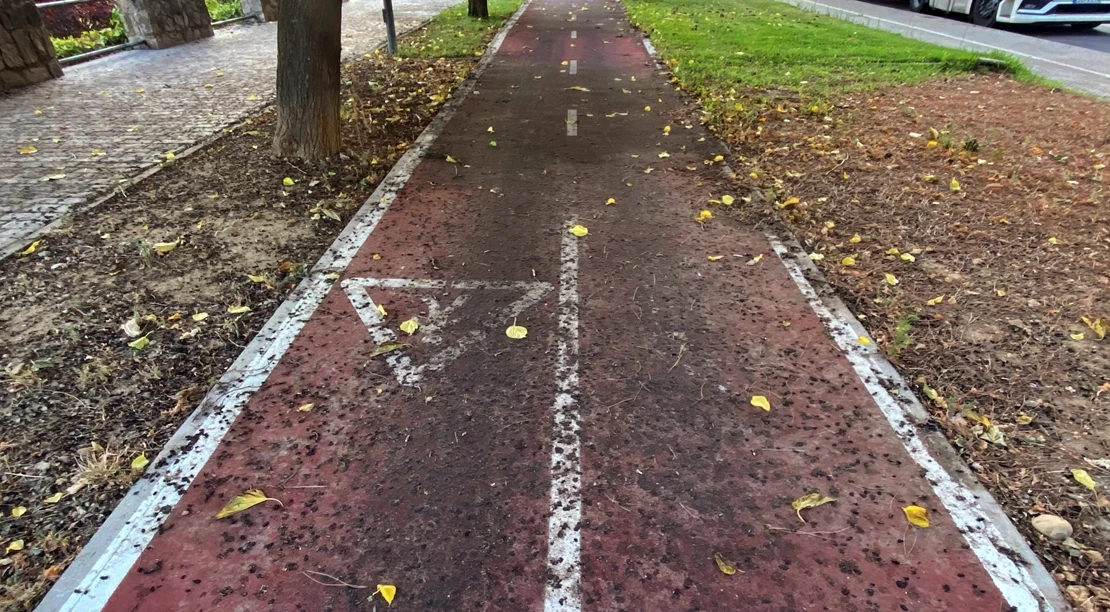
(110, 119)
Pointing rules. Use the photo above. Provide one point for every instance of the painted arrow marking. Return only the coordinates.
(439, 316)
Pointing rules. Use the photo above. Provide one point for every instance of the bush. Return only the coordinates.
(90, 40)
(223, 9)
(74, 19)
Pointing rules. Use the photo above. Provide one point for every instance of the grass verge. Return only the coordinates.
(453, 34)
(724, 50)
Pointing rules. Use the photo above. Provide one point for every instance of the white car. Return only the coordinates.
(1084, 14)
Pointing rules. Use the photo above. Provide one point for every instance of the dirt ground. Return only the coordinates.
(116, 326)
(967, 224)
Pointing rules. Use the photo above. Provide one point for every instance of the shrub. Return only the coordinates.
(89, 40)
(223, 9)
(73, 19)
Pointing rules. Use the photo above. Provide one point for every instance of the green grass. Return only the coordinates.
(453, 34)
(724, 49)
(903, 325)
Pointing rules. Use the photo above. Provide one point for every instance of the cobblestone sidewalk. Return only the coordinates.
(109, 119)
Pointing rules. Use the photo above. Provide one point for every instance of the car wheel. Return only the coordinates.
(1079, 26)
(985, 12)
(919, 6)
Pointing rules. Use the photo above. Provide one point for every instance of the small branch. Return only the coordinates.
(335, 581)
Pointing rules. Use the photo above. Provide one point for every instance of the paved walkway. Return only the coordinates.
(1080, 69)
(600, 462)
(108, 119)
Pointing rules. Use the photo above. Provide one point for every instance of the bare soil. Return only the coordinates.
(196, 258)
(985, 201)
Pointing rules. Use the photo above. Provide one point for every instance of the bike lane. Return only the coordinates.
(601, 462)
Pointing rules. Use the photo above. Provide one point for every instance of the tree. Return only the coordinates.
(308, 78)
(477, 8)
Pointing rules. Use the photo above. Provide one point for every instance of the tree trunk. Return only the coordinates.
(308, 78)
(477, 8)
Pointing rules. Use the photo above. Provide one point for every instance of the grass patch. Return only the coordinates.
(452, 34)
(716, 47)
(902, 340)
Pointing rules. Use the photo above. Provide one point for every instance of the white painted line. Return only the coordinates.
(93, 576)
(963, 40)
(573, 66)
(574, 33)
(438, 317)
(564, 537)
(978, 528)
(572, 122)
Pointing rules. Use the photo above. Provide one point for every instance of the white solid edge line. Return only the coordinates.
(988, 544)
(963, 40)
(564, 539)
(92, 578)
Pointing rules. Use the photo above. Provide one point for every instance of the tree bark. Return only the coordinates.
(309, 45)
(477, 8)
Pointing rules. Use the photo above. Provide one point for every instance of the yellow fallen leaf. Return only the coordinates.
(1024, 419)
(19, 511)
(855, 239)
(97, 153)
(704, 216)
(28, 150)
(452, 160)
(727, 200)
(647, 109)
(489, 129)
(935, 301)
(257, 278)
(890, 279)
(376, 256)
(200, 316)
(388, 592)
(242, 502)
(31, 249)
(726, 568)
(1053, 240)
(954, 185)
(579, 230)
(38, 111)
(139, 343)
(140, 462)
(664, 155)
(848, 261)
(15, 546)
(578, 88)
(718, 158)
(170, 156)
(666, 129)
(1077, 336)
(387, 347)
(760, 401)
(863, 340)
(165, 247)
(907, 257)
(53, 499)
(381, 311)
(610, 202)
(238, 309)
(816, 256)
(715, 257)
(789, 202)
(306, 407)
(755, 260)
(917, 516)
(1098, 326)
(410, 326)
(493, 143)
(1000, 292)
(1083, 478)
(288, 182)
(516, 332)
(809, 501)
(564, 63)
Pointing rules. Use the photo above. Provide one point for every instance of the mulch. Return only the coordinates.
(966, 222)
(116, 325)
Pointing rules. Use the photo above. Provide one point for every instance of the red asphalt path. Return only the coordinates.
(442, 485)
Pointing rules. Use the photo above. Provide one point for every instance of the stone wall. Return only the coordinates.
(26, 53)
(266, 9)
(166, 23)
